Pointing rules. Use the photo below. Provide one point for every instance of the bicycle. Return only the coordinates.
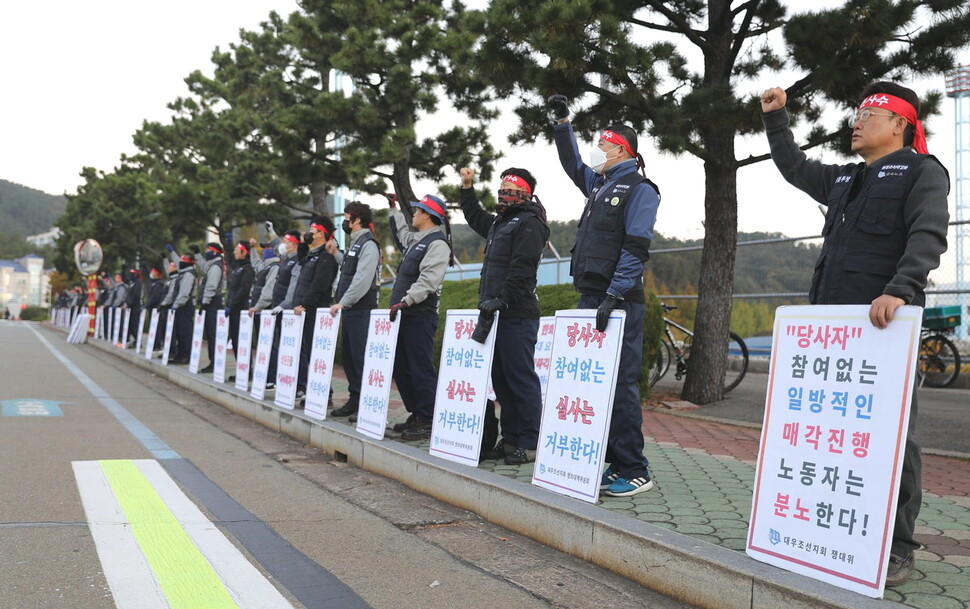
(939, 359)
(679, 351)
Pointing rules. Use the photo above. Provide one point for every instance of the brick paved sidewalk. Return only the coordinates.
(704, 472)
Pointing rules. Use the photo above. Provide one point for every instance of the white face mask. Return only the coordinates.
(281, 248)
(597, 158)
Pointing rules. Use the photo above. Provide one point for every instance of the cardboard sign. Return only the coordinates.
(375, 387)
(320, 374)
(152, 333)
(197, 332)
(243, 350)
(264, 348)
(463, 378)
(832, 444)
(547, 328)
(288, 362)
(167, 343)
(222, 338)
(578, 404)
(140, 330)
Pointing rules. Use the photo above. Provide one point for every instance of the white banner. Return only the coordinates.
(140, 330)
(832, 443)
(547, 328)
(115, 325)
(167, 343)
(288, 360)
(264, 349)
(320, 373)
(463, 379)
(197, 331)
(375, 386)
(578, 404)
(243, 350)
(79, 329)
(99, 323)
(125, 325)
(152, 333)
(222, 339)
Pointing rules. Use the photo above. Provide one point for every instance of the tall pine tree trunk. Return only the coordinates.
(708, 357)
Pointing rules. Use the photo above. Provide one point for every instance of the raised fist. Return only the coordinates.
(467, 176)
(773, 99)
(558, 107)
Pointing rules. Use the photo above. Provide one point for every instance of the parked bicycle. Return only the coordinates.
(939, 359)
(678, 350)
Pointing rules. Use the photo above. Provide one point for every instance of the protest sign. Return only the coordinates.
(320, 372)
(375, 387)
(832, 443)
(197, 332)
(547, 327)
(463, 378)
(167, 344)
(222, 338)
(264, 349)
(99, 323)
(152, 333)
(243, 350)
(125, 328)
(578, 404)
(115, 325)
(139, 331)
(288, 361)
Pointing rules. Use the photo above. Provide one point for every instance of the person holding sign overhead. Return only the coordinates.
(884, 231)
(516, 237)
(356, 295)
(612, 246)
(417, 288)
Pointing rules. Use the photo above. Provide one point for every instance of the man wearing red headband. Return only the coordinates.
(210, 296)
(612, 246)
(133, 300)
(884, 231)
(415, 296)
(515, 240)
(237, 289)
(289, 259)
(184, 309)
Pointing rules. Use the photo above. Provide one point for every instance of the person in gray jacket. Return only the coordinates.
(184, 309)
(210, 296)
(356, 295)
(884, 232)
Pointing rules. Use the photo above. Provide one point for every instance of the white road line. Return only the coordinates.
(131, 579)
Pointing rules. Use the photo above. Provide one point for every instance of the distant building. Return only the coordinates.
(23, 282)
(44, 239)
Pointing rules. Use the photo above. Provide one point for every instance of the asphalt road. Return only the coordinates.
(944, 414)
(304, 530)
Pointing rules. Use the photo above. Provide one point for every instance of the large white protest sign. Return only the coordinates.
(115, 325)
(139, 331)
(320, 373)
(152, 333)
(222, 339)
(197, 332)
(463, 378)
(832, 443)
(375, 387)
(288, 362)
(578, 404)
(547, 328)
(167, 343)
(79, 329)
(99, 323)
(264, 349)
(244, 350)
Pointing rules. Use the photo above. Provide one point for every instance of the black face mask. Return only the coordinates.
(308, 237)
(346, 226)
(210, 255)
(508, 197)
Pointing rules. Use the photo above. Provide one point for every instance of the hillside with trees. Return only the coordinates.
(27, 211)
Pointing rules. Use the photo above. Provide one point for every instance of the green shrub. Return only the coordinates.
(35, 314)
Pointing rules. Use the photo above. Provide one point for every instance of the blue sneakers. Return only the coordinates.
(627, 488)
(609, 477)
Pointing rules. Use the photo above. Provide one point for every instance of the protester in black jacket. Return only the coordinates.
(314, 288)
(238, 285)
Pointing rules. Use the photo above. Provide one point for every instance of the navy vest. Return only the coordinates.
(349, 268)
(409, 271)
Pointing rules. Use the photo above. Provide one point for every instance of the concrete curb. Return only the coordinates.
(693, 571)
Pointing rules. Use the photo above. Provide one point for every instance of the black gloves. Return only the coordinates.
(195, 249)
(397, 307)
(485, 322)
(488, 307)
(603, 312)
(558, 107)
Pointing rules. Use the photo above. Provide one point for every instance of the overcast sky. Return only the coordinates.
(80, 77)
